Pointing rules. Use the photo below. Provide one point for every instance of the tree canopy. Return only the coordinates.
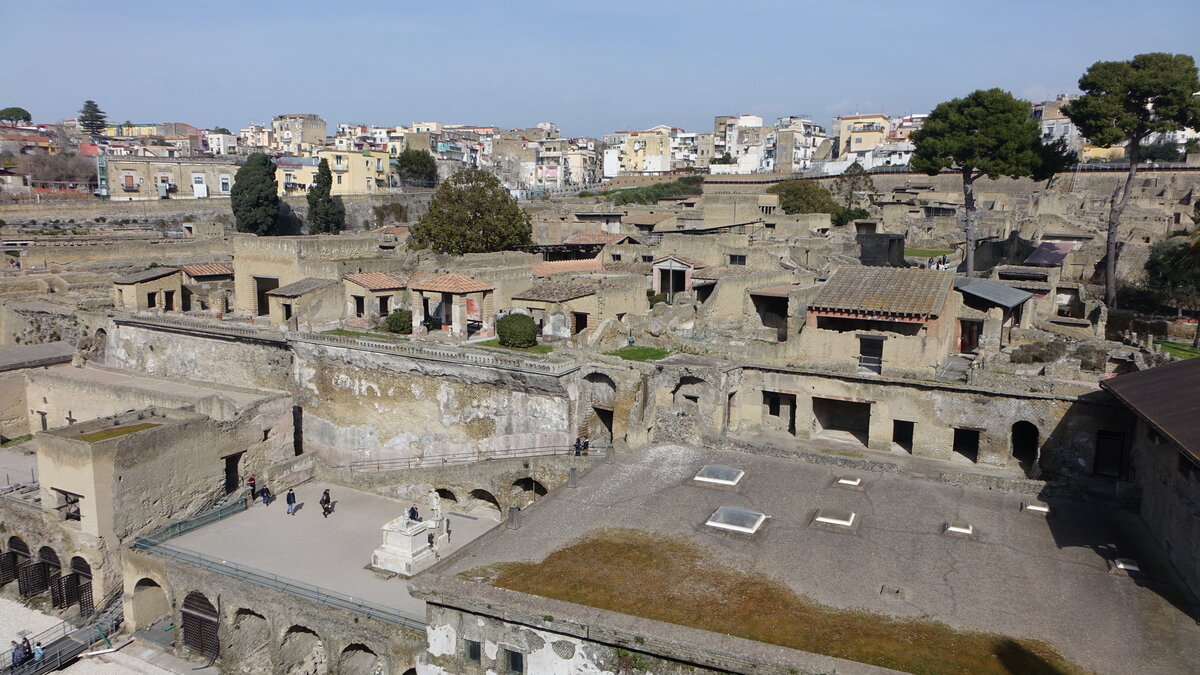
(650, 194)
(471, 212)
(986, 133)
(255, 196)
(15, 115)
(1173, 275)
(804, 196)
(853, 186)
(1125, 102)
(222, 130)
(325, 214)
(416, 165)
(92, 119)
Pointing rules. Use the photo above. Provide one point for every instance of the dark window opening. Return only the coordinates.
(966, 443)
(846, 325)
(902, 434)
(870, 355)
(1110, 454)
(68, 504)
(472, 653)
(385, 302)
(360, 305)
(287, 310)
(580, 319)
(151, 300)
(169, 300)
(735, 259)
(514, 662)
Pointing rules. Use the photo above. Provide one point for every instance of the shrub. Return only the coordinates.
(400, 321)
(1039, 352)
(1092, 357)
(657, 298)
(517, 331)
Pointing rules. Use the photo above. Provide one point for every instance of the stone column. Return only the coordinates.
(487, 310)
(458, 316)
(418, 312)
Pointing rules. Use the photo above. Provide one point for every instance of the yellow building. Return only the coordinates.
(647, 151)
(861, 132)
(131, 130)
(354, 173)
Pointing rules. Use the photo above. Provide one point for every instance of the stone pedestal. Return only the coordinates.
(406, 548)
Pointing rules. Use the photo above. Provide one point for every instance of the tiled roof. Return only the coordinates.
(452, 283)
(646, 218)
(721, 271)
(206, 270)
(992, 291)
(1050, 253)
(145, 275)
(595, 238)
(547, 290)
(377, 281)
(559, 266)
(696, 264)
(299, 288)
(642, 268)
(884, 290)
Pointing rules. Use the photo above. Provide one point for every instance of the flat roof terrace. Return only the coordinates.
(906, 553)
(328, 552)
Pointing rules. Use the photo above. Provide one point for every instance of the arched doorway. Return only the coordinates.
(248, 643)
(528, 484)
(149, 603)
(357, 659)
(446, 496)
(200, 624)
(600, 393)
(76, 586)
(302, 651)
(1025, 444)
(81, 567)
(16, 553)
(486, 498)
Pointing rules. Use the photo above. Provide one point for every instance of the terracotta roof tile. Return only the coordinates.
(646, 218)
(642, 268)
(145, 275)
(452, 283)
(596, 238)
(543, 269)
(206, 270)
(377, 281)
(884, 290)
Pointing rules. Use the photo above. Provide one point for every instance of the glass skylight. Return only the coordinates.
(736, 519)
(721, 475)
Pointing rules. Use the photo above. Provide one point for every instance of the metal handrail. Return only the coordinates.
(464, 458)
(300, 589)
(185, 525)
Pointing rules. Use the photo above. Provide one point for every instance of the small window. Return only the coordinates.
(68, 504)
(514, 662)
(339, 179)
(648, 258)
(360, 305)
(616, 257)
(735, 259)
(471, 652)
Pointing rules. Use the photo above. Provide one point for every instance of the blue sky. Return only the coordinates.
(590, 66)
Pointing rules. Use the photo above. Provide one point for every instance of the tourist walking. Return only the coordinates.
(291, 502)
(16, 653)
(578, 446)
(326, 504)
(585, 445)
(265, 494)
(38, 652)
(250, 483)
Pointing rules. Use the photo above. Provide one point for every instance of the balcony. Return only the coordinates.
(131, 188)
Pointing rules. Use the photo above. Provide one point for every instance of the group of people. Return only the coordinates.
(326, 500)
(13, 263)
(581, 445)
(22, 652)
(938, 263)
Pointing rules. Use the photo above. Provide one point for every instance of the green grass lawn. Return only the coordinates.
(1182, 350)
(16, 441)
(926, 252)
(640, 353)
(495, 342)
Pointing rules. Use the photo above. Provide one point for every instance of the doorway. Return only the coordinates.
(602, 429)
(870, 355)
(969, 331)
(232, 477)
(838, 420)
(966, 443)
(1025, 444)
(902, 434)
(1110, 454)
(262, 286)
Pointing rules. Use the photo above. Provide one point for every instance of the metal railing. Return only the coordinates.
(322, 596)
(440, 354)
(219, 327)
(397, 463)
(185, 525)
(870, 364)
(65, 642)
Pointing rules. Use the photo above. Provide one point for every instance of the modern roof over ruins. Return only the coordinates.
(1050, 253)
(560, 266)
(302, 287)
(549, 290)
(206, 270)
(991, 291)
(145, 275)
(452, 283)
(597, 238)
(1167, 398)
(884, 290)
(378, 281)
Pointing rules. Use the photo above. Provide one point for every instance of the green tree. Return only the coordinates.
(1173, 275)
(255, 196)
(222, 130)
(399, 321)
(92, 119)
(471, 212)
(853, 186)
(1162, 152)
(804, 196)
(416, 165)
(15, 115)
(516, 330)
(1126, 102)
(723, 159)
(986, 133)
(325, 214)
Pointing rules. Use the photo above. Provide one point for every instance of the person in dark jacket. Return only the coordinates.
(326, 504)
(578, 446)
(291, 502)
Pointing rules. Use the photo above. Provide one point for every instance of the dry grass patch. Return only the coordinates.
(676, 581)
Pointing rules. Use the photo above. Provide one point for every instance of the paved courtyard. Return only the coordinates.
(329, 552)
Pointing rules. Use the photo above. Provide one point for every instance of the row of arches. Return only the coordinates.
(528, 485)
(247, 638)
(43, 570)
